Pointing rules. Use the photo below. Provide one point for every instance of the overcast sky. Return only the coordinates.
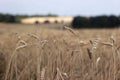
(61, 7)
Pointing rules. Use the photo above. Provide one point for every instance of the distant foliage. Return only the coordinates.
(96, 22)
(7, 18)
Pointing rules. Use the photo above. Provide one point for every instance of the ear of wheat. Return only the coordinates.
(69, 29)
(97, 62)
(89, 53)
(34, 36)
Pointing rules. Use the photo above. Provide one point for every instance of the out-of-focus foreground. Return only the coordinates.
(49, 52)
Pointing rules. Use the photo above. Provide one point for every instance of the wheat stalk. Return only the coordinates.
(69, 29)
(97, 62)
(43, 74)
(89, 53)
(60, 74)
(34, 36)
(12, 56)
(107, 44)
(112, 39)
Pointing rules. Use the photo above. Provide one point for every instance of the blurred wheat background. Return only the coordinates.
(32, 52)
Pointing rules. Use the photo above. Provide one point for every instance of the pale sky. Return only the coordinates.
(61, 7)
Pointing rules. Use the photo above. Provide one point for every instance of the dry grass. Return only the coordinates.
(49, 54)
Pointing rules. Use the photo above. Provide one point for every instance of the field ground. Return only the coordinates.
(49, 52)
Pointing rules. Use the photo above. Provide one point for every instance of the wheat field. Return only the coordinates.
(49, 52)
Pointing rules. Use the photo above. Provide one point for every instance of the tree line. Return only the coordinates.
(7, 18)
(10, 18)
(96, 22)
(103, 21)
